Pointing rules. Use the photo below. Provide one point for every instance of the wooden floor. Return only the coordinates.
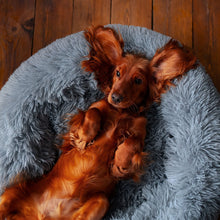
(28, 25)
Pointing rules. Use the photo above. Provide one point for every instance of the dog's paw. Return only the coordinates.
(128, 160)
(85, 127)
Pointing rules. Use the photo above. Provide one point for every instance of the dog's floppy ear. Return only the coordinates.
(106, 44)
(106, 49)
(169, 62)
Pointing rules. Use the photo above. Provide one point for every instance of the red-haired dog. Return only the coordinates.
(105, 143)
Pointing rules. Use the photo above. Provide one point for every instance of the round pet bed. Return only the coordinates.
(183, 137)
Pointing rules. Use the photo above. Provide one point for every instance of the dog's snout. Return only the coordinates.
(116, 98)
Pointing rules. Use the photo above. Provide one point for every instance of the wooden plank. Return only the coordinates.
(132, 12)
(53, 20)
(206, 26)
(174, 18)
(90, 12)
(16, 33)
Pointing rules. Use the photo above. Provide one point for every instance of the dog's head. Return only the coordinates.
(131, 80)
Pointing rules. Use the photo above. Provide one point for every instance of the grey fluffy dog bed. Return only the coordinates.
(183, 138)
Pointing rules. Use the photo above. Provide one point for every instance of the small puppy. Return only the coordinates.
(105, 143)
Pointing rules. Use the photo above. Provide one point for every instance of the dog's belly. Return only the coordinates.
(86, 173)
(66, 200)
(94, 169)
(56, 207)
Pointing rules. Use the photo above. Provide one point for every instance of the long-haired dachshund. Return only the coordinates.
(105, 143)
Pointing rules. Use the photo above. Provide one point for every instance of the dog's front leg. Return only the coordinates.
(129, 158)
(85, 127)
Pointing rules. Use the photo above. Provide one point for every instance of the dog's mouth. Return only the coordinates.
(129, 106)
(119, 105)
(120, 102)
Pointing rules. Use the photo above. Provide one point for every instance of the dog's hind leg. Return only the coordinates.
(93, 209)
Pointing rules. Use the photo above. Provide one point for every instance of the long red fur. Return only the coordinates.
(105, 143)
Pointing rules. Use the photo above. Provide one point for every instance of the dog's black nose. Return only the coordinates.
(116, 98)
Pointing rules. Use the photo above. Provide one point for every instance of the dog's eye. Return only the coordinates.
(117, 73)
(138, 81)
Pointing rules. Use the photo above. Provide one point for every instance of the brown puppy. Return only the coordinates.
(104, 143)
